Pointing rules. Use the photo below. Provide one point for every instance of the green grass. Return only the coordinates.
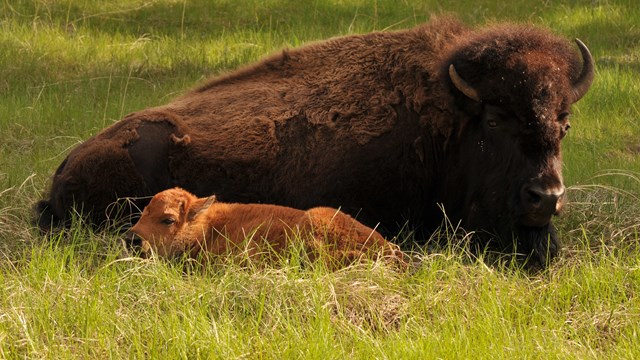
(69, 68)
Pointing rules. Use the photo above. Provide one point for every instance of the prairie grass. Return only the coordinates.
(70, 68)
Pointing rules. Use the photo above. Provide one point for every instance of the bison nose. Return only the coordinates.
(540, 203)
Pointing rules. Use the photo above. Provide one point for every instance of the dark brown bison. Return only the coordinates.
(176, 223)
(389, 126)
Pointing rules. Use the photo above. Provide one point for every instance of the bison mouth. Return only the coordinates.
(531, 238)
(534, 237)
(534, 219)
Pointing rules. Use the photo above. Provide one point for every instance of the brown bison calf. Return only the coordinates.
(178, 223)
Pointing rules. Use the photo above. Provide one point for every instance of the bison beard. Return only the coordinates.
(537, 246)
(386, 126)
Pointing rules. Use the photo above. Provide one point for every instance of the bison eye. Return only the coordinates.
(492, 123)
(168, 221)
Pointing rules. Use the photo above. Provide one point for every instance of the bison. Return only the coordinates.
(176, 223)
(393, 127)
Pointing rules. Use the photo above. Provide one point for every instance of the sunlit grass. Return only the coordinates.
(76, 296)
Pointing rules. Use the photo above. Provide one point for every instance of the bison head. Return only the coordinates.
(516, 88)
(168, 214)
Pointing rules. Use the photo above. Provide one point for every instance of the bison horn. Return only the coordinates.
(462, 85)
(583, 83)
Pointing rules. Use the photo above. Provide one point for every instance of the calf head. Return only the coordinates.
(169, 213)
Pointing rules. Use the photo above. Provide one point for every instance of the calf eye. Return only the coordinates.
(168, 221)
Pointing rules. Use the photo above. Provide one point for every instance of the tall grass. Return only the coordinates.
(69, 68)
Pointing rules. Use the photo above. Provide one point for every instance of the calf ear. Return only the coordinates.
(197, 209)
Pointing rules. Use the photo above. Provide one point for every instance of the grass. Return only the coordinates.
(70, 68)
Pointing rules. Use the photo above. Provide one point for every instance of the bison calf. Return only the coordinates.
(178, 223)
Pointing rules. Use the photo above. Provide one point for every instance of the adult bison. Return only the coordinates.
(391, 127)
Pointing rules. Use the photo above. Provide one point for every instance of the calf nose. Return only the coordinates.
(136, 243)
(134, 239)
(540, 202)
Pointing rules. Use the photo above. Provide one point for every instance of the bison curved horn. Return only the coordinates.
(583, 83)
(462, 85)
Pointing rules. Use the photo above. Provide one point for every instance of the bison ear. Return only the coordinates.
(201, 207)
(183, 208)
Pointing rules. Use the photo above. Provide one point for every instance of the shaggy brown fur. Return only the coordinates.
(176, 222)
(370, 123)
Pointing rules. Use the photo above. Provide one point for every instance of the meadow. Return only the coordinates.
(69, 68)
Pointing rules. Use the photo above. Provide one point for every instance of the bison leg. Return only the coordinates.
(93, 177)
(150, 154)
(128, 160)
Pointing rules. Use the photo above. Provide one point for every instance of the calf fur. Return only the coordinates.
(177, 223)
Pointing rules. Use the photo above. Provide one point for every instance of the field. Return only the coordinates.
(69, 68)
